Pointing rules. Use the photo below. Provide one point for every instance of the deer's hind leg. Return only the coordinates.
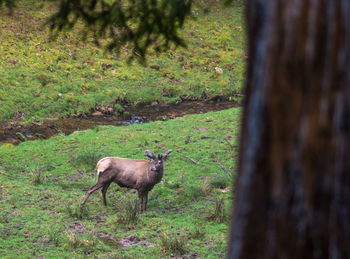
(91, 190)
(101, 182)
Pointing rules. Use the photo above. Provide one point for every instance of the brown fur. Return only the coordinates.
(141, 175)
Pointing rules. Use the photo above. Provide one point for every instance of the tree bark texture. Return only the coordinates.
(293, 189)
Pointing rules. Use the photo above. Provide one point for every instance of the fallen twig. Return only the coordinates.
(193, 161)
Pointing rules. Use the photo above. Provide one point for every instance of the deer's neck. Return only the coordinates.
(158, 175)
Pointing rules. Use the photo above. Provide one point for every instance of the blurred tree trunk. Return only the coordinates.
(293, 190)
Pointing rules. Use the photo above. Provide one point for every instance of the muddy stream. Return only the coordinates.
(16, 133)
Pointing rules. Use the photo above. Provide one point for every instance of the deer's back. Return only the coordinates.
(126, 172)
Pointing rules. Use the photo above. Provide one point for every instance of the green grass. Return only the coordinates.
(172, 245)
(43, 182)
(41, 79)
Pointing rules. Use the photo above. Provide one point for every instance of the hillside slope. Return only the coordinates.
(41, 79)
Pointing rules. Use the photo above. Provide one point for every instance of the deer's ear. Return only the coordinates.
(150, 155)
(165, 155)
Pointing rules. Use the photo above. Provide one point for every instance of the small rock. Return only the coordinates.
(201, 128)
(218, 70)
(97, 113)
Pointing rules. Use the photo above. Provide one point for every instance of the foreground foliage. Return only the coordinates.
(41, 215)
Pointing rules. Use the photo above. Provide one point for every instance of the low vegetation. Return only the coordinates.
(43, 182)
(42, 78)
(172, 245)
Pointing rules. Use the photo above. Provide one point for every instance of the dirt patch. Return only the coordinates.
(125, 242)
(16, 133)
(77, 227)
(134, 240)
(201, 128)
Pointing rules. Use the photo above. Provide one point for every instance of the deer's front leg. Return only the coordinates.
(141, 201)
(145, 200)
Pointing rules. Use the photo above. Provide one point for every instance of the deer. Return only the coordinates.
(140, 175)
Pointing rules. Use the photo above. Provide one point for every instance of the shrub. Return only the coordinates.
(54, 238)
(127, 212)
(81, 240)
(37, 177)
(77, 211)
(171, 245)
(206, 188)
(218, 215)
(86, 157)
(197, 233)
(221, 180)
(43, 79)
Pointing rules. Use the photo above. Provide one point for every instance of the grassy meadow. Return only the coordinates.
(42, 78)
(43, 182)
